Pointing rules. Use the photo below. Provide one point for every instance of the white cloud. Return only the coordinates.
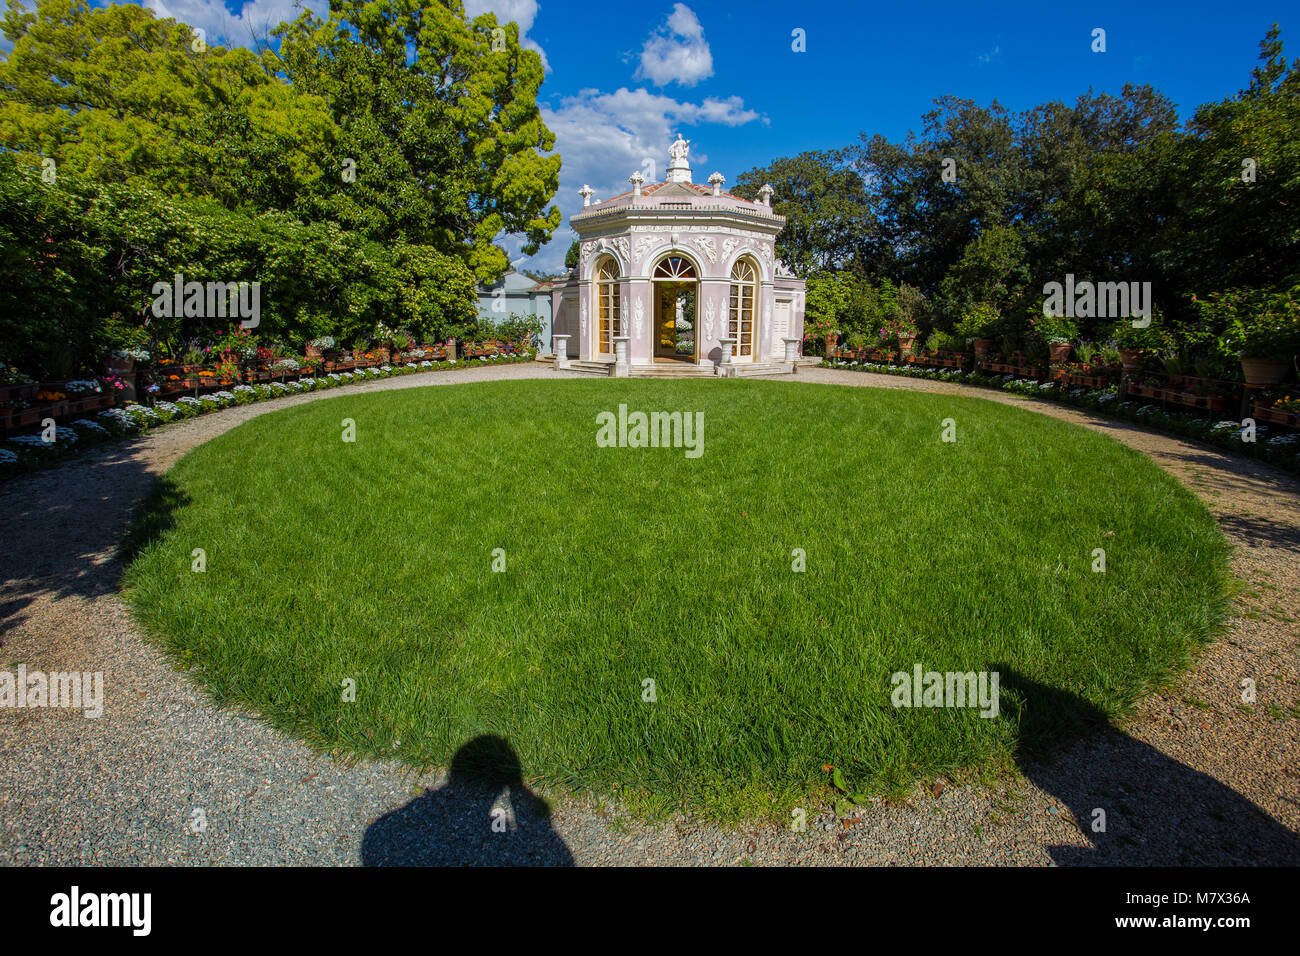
(677, 52)
(522, 12)
(604, 137)
(992, 55)
(256, 18)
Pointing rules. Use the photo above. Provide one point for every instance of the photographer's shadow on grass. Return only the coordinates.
(1158, 811)
(462, 823)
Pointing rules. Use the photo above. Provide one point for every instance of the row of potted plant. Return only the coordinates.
(25, 452)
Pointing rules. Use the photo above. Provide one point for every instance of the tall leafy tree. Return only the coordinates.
(829, 222)
(120, 96)
(439, 117)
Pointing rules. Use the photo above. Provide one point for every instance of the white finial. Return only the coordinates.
(765, 194)
(716, 181)
(636, 179)
(586, 192)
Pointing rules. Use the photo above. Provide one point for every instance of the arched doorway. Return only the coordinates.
(743, 307)
(675, 282)
(609, 311)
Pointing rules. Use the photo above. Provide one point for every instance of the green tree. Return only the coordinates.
(829, 224)
(440, 116)
(120, 96)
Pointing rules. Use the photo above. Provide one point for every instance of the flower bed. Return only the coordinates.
(22, 406)
(26, 452)
(1279, 416)
(1067, 377)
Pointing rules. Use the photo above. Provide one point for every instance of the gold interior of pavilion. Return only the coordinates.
(675, 321)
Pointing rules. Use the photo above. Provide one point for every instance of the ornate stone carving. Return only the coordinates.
(766, 249)
(729, 245)
(638, 317)
(622, 246)
(767, 321)
(642, 247)
(588, 250)
(705, 244)
(582, 319)
(710, 320)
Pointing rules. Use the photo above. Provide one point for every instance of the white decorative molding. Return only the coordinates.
(582, 319)
(706, 246)
(621, 245)
(588, 250)
(642, 247)
(729, 245)
(767, 321)
(638, 317)
(766, 248)
(710, 319)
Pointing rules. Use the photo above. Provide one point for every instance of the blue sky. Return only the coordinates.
(624, 78)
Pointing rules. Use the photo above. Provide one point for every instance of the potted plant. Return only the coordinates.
(823, 329)
(1134, 341)
(1268, 341)
(857, 343)
(1260, 328)
(124, 360)
(977, 326)
(903, 328)
(1058, 331)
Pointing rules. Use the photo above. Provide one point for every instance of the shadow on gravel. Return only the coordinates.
(1255, 529)
(461, 823)
(1158, 812)
(61, 522)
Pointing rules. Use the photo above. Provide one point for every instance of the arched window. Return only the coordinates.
(674, 268)
(607, 306)
(744, 287)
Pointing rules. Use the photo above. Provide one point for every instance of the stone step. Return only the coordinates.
(590, 368)
(762, 368)
(663, 370)
(672, 371)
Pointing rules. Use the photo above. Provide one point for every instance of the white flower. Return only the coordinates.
(93, 427)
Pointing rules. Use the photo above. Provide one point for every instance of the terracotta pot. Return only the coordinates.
(1264, 371)
(1131, 358)
(1060, 353)
(905, 343)
(982, 347)
(830, 344)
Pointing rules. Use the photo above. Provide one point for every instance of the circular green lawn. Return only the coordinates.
(372, 561)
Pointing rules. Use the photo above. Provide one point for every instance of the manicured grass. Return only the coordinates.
(372, 560)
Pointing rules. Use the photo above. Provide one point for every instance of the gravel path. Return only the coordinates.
(163, 777)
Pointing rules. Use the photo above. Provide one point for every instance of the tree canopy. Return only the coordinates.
(362, 167)
(984, 206)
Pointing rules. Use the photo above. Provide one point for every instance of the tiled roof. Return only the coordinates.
(696, 187)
